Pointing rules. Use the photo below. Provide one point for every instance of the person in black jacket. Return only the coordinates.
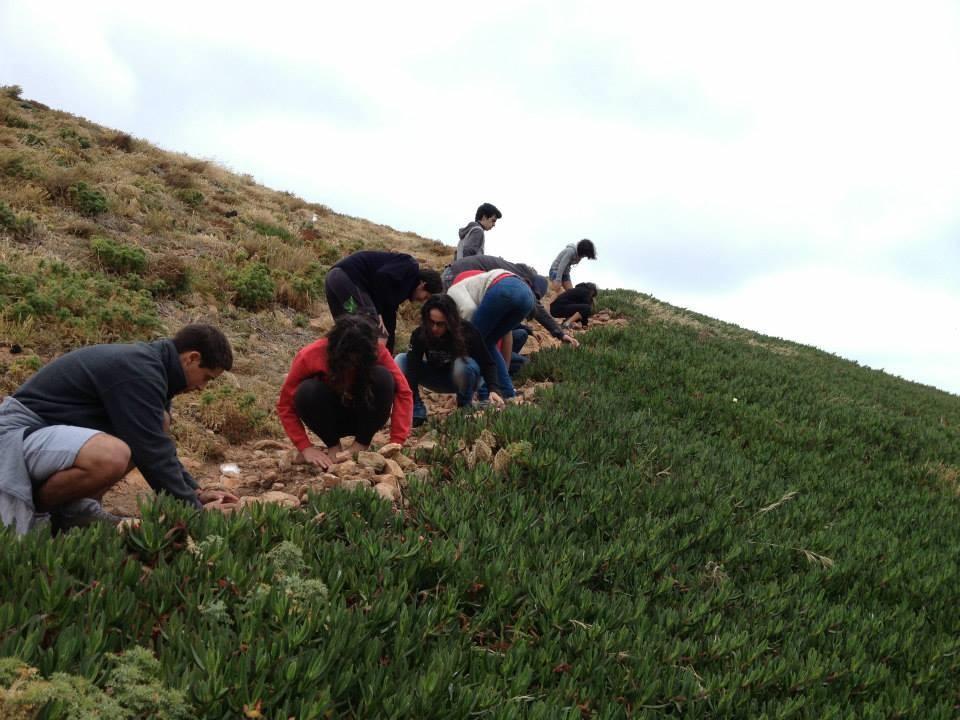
(83, 421)
(376, 283)
(447, 355)
(575, 304)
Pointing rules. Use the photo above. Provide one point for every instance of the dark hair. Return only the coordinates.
(446, 305)
(487, 210)
(431, 278)
(210, 342)
(585, 249)
(351, 357)
(589, 286)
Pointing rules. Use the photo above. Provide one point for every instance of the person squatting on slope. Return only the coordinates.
(575, 304)
(495, 302)
(537, 283)
(345, 383)
(472, 238)
(83, 421)
(376, 283)
(570, 255)
(447, 355)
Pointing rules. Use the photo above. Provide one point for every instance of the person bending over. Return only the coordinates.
(570, 255)
(495, 301)
(77, 426)
(345, 383)
(447, 355)
(575, 304)
(376, 283)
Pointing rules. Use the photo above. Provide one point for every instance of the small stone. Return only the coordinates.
(269, 477)
(386, 479)
(330, 481)
(372, 460)
(277, 486)
(391, 449)
(344, 469)
(353, 484)
(405, 463)
(388, 491)
(230, 482)
(392, 467)
(269, 445)
(274, 497)
(427, 445)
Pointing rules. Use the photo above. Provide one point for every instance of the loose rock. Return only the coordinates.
(489, 438)
(501, 461)
(391, 449)
(388, 491)
(372, 460)
(392, 467)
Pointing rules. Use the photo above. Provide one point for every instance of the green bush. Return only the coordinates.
(67, 306)
(11, 91)
(117, 257)
(273, 231)
(16, 167)
(253, 286)
(15, 121)
(86, 200)
(190, 198)
(8, 219)
(72, 136)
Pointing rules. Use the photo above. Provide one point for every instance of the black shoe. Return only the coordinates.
(81, 513)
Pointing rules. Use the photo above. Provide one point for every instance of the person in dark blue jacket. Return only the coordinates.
(375, 283)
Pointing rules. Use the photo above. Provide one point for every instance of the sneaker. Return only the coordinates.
(81, 513)
(419, 414)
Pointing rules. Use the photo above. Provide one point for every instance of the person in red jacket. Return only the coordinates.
(344, 384)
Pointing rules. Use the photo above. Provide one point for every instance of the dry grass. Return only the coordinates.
(947, 476)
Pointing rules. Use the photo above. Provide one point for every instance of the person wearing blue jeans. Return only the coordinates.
(495, 302)
(446, 355)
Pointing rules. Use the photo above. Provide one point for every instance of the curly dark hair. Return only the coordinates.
(446, 305)
(351, 357)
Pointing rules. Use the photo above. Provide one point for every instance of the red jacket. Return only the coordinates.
(311, 361)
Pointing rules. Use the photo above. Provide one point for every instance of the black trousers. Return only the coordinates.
(562, 309)
(320, 409)
(340, 290)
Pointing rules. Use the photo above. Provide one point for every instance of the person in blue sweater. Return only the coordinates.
(78, 425)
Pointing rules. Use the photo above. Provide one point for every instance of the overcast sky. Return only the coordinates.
(793, 168)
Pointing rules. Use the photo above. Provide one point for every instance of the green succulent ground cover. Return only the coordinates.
(663, 550)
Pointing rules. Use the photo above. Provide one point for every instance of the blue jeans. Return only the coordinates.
(460, 378)
(502, 308)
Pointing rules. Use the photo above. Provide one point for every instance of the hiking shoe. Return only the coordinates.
(81, 513)
(419, 414)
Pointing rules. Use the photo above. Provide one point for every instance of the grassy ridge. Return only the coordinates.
(662, 550)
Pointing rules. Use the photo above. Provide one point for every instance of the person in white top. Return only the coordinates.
(494, 302)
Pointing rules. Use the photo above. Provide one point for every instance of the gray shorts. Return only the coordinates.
(54, 448)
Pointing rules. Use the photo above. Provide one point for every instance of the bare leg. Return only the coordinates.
(574, 318)
(506, 348)
(102, 462)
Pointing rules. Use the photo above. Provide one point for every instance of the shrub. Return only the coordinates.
(72, 136)
(232, 413)
(253, 286)
(86, 200)
(33, 140)
(171, 275)
(191, 198)
(8, 219)
(73, 306)
(11, 91)
(118, 258)
(271, 230)
(21, 227)
(15, 121)
(15, 167)
(121, 141)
